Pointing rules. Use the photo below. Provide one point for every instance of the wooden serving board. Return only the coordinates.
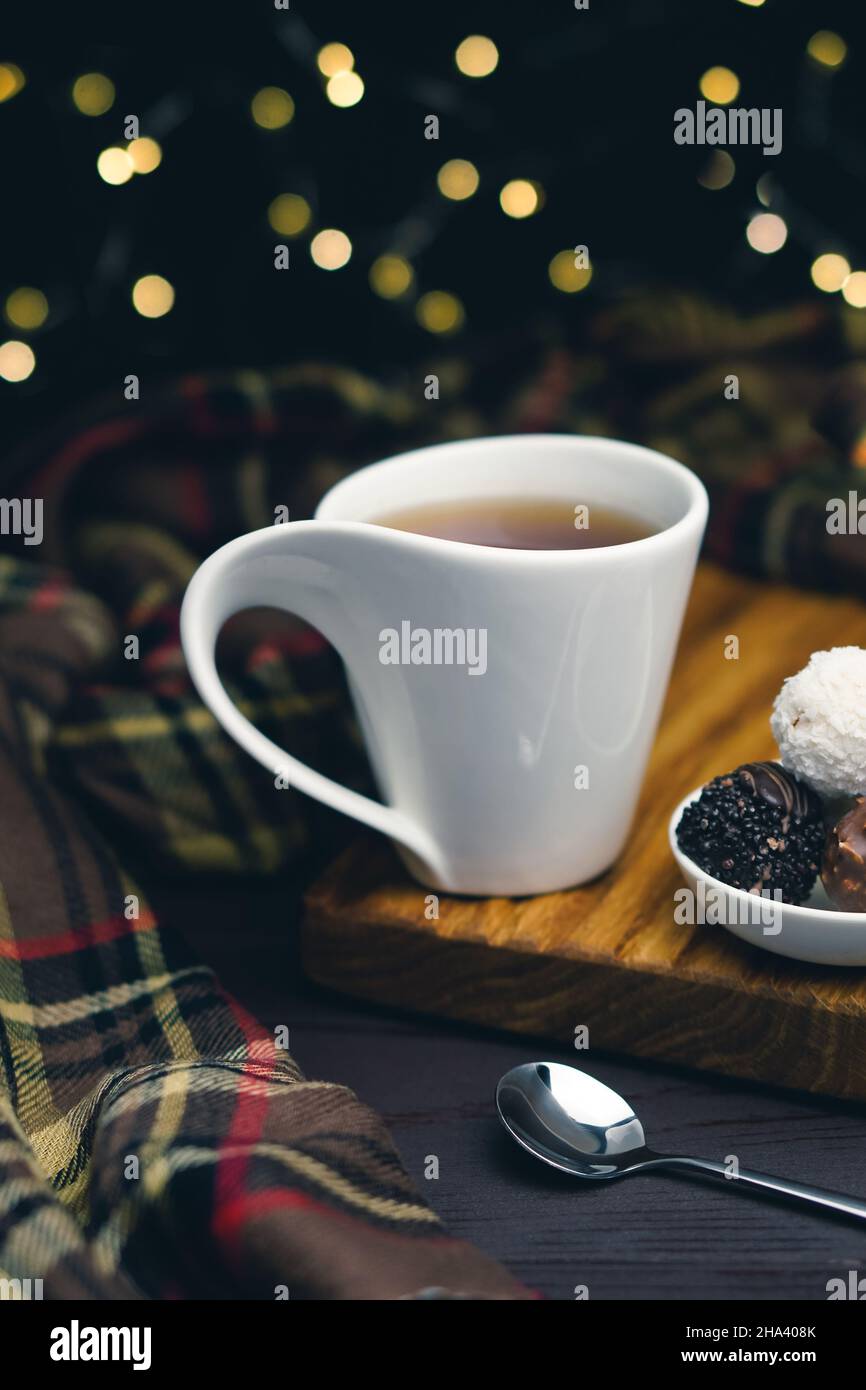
(609, 955)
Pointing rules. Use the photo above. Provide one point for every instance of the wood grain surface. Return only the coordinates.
(609, 956)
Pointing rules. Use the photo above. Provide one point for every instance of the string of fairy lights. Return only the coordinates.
(391, 273)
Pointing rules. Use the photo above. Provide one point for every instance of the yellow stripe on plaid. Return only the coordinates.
(100, 538)
(143, 726)
(253, 491)
(197, 1078)
(157, 1173)
(72, 1010)
(152, 597)
(35, 1101)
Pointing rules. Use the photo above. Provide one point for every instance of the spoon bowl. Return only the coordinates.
(570, 1120)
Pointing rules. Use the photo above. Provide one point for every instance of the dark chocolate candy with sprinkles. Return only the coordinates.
(756, 828)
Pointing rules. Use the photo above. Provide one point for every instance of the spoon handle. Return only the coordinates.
(763, 1182)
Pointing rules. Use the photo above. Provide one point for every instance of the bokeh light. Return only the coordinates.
(26, 308)
(520, 198)
(12, 80)
(827, 48)
(764, 189)
(767, 233)
(115, 165)
(152, 296)
(334, 58)
(272, 108)
(439, 312)
(830, 271)
(330, 249)
(17, 361)
(457, 179)
(567, 276)
(476, 56)
(719, 85)
(391, 276)
(93, 93)
(145, 154)
(344, 89)
(289, 214)
(854, 290)
(718, 171)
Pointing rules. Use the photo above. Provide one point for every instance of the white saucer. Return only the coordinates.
(816, 931)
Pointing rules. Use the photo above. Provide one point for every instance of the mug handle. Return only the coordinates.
(256, 570)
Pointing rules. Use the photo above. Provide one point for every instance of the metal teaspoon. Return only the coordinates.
(580, 1126)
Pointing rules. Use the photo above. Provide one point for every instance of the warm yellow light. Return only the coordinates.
(719, 171)
(755, 4)
(391, 276)
(719, 85)
(334, 58)
(439, 312)
(476, 56)
(764, 189)
(152, 296)
(827, 48)
(458, 179)
(272, 108)
(289, 214)
(12, 80)
(26, 308)
(767, 233)
(115, 165)
(344, 89)
(17, 361)
(93, 93)
(829, 272)
(567, 276)
(520, 198)
(330, 249)
(854, 290)
(145, 154)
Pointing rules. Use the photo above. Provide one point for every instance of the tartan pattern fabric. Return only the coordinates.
(154, 1140)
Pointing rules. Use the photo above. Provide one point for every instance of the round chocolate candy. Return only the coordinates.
(756, 828)
(843, 872)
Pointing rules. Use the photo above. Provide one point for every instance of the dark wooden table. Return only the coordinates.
(645, 1237)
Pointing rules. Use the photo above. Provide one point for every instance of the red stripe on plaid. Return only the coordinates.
(48, 595)
(248, 1120)
(76, 939)
(104, 436)
(196, 503)
(229, 1219)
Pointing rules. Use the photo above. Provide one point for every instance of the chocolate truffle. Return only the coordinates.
(756, 828)
(843, 872)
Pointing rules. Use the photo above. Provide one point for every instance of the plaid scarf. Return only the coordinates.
(154, 1139)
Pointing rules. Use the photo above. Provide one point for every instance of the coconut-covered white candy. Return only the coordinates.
(819, 722)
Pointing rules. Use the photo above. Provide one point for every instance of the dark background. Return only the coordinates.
(582, 101)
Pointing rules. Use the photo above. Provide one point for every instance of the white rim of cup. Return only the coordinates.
(693, 519)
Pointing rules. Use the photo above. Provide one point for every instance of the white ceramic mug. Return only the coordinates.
(515, 767)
